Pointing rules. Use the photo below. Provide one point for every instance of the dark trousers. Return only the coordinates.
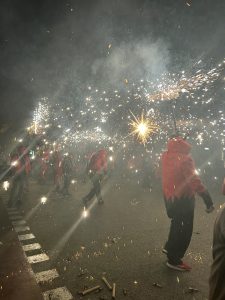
(181, 213)
(66, 184)
(96, 189)
(17, 191)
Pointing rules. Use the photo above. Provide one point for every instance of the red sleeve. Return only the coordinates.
(104, 164)
(223, 187)
(188, 170)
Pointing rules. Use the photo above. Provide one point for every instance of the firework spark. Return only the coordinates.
(142, 128)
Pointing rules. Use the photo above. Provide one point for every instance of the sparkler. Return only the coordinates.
(43, 200)
(14, 163)
(6, 185)
(85, 213)
(41, 114)
(142, 128)
(101, 111)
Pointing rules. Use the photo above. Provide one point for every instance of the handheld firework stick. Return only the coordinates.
(114, 291)
(88, 291)
(106, 283)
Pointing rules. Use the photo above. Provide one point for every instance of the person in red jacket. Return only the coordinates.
(180, 184)
(96, 169)
(58, 170)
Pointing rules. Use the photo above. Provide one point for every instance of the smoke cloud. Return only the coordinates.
(133, 61)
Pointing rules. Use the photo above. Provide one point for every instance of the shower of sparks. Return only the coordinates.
(103, 115)
(41, 114)
(185, 85)
(143, 128)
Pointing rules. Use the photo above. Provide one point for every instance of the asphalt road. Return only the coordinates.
(121, 240)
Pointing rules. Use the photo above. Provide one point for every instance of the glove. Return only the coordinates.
(207, 200)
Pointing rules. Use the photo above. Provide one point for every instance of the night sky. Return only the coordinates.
(56, 48)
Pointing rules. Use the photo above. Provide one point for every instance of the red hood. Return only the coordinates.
(102, 153)
(178, 145)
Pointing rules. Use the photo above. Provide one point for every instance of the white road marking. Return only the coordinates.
(21, 228)
(61, 293)
(18, 223)
(15, 217)
(33, 259)
(31, 247)
(46, 275)
(24, 237)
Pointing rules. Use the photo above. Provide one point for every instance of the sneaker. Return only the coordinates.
(182, 267)
(84, 200)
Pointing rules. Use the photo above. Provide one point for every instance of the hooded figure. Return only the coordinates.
(98, 162)
(96, 169)
(180, 184)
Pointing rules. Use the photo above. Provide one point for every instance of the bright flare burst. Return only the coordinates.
(6, 185)
(43, 200)
(142, 128)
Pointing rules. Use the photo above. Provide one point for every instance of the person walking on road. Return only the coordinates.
(217, 276)
(96, 169)
(180, 184)
(58, 172)
(23, 152)
(67, 169)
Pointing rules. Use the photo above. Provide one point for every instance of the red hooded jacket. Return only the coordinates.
(178, 171)
(25, 155)
(98, 161)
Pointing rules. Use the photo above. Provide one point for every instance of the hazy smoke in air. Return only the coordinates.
(133, 61)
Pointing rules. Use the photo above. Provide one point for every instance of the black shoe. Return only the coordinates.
(85, 201)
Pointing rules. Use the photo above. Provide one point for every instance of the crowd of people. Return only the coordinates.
(180, 184)
(53, 167)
